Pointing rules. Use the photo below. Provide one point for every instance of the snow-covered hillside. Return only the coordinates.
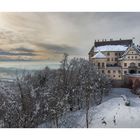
(111, 113)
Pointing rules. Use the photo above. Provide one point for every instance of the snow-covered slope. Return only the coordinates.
(111, 113)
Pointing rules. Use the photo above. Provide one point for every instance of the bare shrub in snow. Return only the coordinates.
(126, 100)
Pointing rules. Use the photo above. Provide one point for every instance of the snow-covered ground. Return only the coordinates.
(111, 113)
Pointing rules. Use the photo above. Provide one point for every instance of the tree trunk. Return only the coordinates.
(87, 122)
(87, 111)
(56, 120)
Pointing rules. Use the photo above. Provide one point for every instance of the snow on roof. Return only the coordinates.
(99, 55)
(111, 48)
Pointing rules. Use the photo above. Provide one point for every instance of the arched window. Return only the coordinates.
(132, 64)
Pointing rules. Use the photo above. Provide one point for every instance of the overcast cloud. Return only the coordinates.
(46, 36)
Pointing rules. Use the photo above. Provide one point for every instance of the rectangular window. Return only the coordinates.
(108, 59)
(125, 64)
(115, 59)
(108, 53)
(112, 59)
(108, 71)
(116, 54)
(119, 71)
(139, 64)
(125, 72)
(102, 71)
(103, 64)
(98, 64)
(114, 71)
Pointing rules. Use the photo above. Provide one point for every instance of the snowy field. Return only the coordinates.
(112, 113)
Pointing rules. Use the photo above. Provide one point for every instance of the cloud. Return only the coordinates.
(58, 49)
(27, 35)
(10, 55)
(16, 59)
(7, 53)
(23, 49)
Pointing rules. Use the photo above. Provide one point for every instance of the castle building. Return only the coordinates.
(116, 58)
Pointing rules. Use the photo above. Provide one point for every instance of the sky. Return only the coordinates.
(45, 36)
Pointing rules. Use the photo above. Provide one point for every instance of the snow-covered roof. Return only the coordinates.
(99, 55)
(110, 48)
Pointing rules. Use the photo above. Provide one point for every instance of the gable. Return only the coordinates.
(131, 50)
(131, 53)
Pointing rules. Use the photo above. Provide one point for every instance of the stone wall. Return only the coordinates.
(118, 84)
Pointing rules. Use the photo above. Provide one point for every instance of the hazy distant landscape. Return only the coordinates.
(8, 70)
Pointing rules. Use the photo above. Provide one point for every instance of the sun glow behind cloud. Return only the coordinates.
(36, 31)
